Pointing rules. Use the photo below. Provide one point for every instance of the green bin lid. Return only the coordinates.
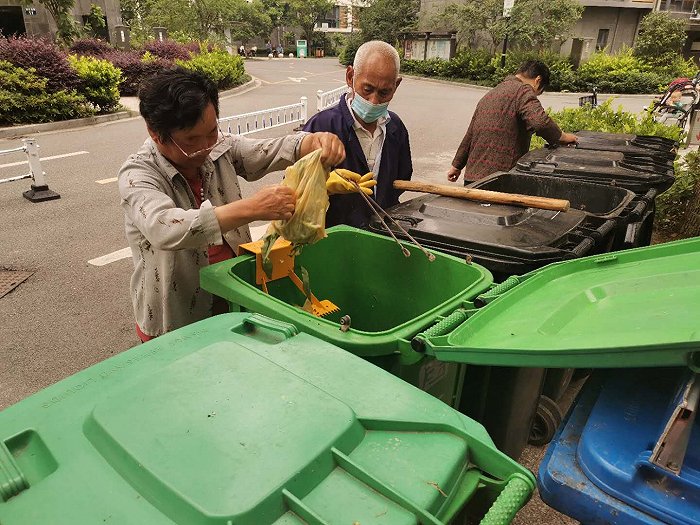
(636, 308)
(239, 420)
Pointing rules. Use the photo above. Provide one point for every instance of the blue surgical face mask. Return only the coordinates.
(366, 111)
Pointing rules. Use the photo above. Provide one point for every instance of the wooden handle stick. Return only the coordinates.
(494, 197)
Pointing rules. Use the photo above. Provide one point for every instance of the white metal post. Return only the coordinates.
(319, 100)
(304, 113)
(39, 190)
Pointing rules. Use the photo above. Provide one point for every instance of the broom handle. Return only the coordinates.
(494, 197)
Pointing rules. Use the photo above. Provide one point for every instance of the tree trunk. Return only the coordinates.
(691, 223)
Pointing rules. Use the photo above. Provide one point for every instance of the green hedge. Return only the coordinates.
(224, 69)
(672, 204)
(99, 81)
(606, 118)
(24, 98)
(621, 72)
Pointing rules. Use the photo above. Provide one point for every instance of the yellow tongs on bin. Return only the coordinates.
(282, 263)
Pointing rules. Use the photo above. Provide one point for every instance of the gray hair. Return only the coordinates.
(368, 49)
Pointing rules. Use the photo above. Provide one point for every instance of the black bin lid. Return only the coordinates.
(510, 235)
(628, 144)
(647, 141)
(600, 200)
(635, 174)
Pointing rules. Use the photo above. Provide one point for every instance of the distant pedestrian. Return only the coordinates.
(503, 124)
(241, 50)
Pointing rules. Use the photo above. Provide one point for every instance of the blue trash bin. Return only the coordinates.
(601, 465)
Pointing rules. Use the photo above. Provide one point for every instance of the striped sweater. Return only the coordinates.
(501, 129)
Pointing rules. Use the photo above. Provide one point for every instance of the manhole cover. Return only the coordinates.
(10, 279)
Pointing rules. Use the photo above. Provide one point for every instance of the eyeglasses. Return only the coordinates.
(203, 150)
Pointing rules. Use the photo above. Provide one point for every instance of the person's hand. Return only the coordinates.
(339, 181)
(568, 138)
(274, 203)
(453, 174)
(332, 149)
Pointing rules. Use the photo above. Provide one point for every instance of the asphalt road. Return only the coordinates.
(71, 314)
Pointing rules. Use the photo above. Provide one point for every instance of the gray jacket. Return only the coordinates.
(169, 237)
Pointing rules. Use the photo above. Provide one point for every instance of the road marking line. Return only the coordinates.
(256, 233)
(107, 181)
(111, 257)
(297, 79)
(43, 159)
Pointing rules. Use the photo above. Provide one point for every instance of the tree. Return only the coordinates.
(278, 11)
(60, 11)
(385, 19)
(472, 20)
(536, 24)
(248, 20)
(305, 13)
(661, 38)
(95, 22)
(207, 19)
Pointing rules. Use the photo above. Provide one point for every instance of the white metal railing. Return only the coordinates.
(39, 189)
(326, 99)
(266, 118)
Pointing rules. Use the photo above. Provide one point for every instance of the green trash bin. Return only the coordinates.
(610, 301)
(634, 308)
(302, 49)
(240, 420)
(387, 297)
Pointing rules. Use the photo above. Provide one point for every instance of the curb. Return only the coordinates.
(548, 93)
(20, 131)
(15, 132)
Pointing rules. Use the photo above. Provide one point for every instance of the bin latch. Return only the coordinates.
(669, 451)
(281, 265)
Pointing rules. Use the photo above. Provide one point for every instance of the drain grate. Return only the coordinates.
(11, 279)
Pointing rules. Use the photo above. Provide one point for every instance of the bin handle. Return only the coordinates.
(486, 297)
(442, 327)
(604, 230)
(583, 247)
(650, 195)
(511, 499)
(286, 330)
(636, 214)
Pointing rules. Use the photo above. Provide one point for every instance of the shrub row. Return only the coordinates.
(92, 75)
(621, 72)
(25, 97)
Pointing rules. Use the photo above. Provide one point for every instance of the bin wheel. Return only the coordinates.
(546, 421)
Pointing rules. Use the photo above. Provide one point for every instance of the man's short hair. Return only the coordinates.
(176, 98)
(373, 47)
(534, 69)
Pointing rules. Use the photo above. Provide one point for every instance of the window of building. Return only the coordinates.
(12, 21)
(602, 42)
(330, 19)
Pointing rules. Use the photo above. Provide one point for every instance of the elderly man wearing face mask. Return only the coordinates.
(375, 139)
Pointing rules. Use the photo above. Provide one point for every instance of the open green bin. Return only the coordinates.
(240, 420)
(388, 297)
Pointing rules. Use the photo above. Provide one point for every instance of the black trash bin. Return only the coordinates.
(599, 200)
(507, 240)
(646, 177)
(632, 145)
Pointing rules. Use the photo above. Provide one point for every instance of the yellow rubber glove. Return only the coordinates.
(338, 181)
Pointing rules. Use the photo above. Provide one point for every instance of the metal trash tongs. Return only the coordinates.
(377, 210)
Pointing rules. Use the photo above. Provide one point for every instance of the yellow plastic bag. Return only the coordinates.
(307, 178)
